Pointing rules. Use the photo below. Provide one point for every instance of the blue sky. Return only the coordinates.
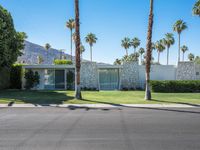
(111, 21)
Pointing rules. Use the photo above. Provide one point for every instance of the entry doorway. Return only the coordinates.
(60, 79)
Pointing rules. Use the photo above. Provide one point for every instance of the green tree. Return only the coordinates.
(191, 57)
(118, 62)
(91, 39)
(179, 27)
(71, 25)
(196, 8)
(149, 51)
(11, 41)
(78, 51)
(141, 52)
(160, 48)
(47, 47)
(126, 43)
(168, 42)
(184, 49)
(197, 60)
(135, 43)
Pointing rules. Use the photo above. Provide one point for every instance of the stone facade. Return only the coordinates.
(89, 75)
(130, 76)
(186, 71)
(197, 71)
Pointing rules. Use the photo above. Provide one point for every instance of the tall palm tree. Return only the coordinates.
(126, 43)
(141, 52)
(196, 8)
(135, 43)
(160, 48)
(91, 39)
(71, 26)
(78, 44)
(149, 52)
(47, 47)
(184, 49)
(179, 27)
(168, 42)
(191, 57)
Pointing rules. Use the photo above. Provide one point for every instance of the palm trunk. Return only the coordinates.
(91, 53)
(158, 57)
(141, 59)
(167, 55)
(134, 50)
(71, 44)
(78, 64)
(179, 47)
(183, 56)
(149, 53)
(126, 52)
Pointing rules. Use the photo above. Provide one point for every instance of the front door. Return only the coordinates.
(59, 79)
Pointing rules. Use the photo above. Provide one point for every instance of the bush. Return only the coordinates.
(32, 79)
(16, 76)
(176, 86)
(62, 62)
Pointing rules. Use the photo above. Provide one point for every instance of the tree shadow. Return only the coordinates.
(147, 108)
(44, 98)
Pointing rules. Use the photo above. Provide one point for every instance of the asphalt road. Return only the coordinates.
(99, 129)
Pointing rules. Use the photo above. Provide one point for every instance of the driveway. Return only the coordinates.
(75, 128)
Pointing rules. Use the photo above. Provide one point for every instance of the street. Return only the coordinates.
(121, 128)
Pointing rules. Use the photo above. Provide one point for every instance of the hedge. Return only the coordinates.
(62, 62)
(176, 86)
(16, 76)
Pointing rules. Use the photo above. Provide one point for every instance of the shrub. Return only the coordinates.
(16, 76)
(62, 62)
(4, 78)
(32, 79)
(176, 86)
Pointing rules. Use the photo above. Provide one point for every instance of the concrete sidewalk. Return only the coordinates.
(102, 105)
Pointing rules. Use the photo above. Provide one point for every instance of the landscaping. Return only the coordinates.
(103, 97)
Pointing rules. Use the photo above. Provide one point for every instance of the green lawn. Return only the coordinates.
(114, 97)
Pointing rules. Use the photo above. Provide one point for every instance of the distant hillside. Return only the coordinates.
(32, 51)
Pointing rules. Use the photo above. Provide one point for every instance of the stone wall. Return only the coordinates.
(130, 76)
(186, 71)
(89, 75)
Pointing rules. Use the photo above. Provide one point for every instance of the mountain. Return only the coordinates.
(32, 51)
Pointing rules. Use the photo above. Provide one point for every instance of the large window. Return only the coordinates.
(49, 79)
(109, 79)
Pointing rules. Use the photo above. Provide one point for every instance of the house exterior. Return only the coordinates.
(109, 77)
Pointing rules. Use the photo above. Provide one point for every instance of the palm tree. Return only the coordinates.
(117, 62)
(160, 48)
(141, 52)
(135, 43)
(126, 44)
(82, 49)
(196, 8)
(179, 27)
(168, 41)
(91, 39)
(184, 49)
(149, 52)
(191, 57)
(47, 47)
(77, 43)
(71, 26)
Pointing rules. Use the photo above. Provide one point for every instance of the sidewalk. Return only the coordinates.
(101, 105)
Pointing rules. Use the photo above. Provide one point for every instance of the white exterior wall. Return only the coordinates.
(158, 72)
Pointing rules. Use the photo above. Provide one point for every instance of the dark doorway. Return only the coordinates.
(59, 79)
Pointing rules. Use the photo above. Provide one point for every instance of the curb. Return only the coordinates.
(101, 105)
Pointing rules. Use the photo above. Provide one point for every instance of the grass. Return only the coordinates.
(114, 97)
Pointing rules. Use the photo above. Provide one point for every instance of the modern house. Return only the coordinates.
(110, 77)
